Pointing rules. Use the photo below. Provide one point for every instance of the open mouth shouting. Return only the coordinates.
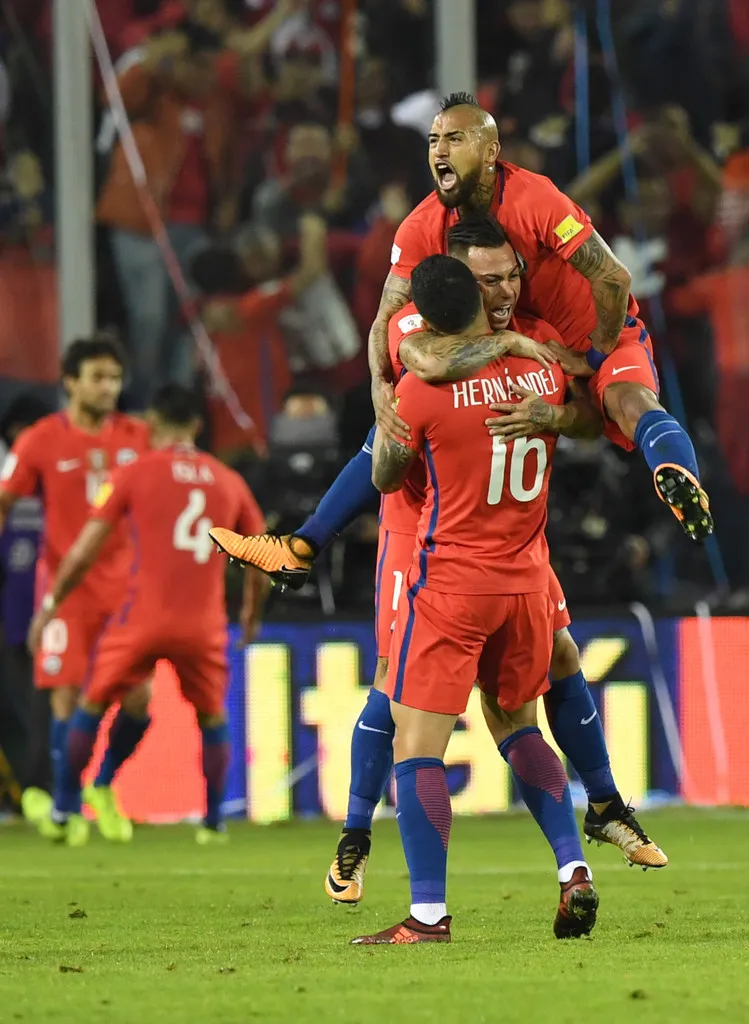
(447, 178)
(500, 316)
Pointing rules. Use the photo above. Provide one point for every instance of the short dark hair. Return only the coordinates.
(445, 293)
(176, 405)
(478, 231)
(458, 99)
(82, 349)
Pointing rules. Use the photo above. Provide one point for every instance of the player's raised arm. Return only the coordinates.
(74, 566)
(610, 282)
(395, 295)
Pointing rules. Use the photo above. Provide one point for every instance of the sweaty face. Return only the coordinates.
(458, 151)
(499, 278)
(97, 387)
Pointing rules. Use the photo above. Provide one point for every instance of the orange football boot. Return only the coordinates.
(578, 906)
(621, 828)
(275, 556)
(408, 932)
(678, 489)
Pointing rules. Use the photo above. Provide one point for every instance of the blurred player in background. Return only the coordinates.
(24, 710)
(174, 605)
(65, 458)
(475, 605)
(570, 708)
(573, 281)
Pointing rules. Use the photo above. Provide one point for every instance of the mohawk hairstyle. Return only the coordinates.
(476, 231)
(458, 99)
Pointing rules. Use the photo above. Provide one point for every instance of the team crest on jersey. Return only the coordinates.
(568, 228)
(97, 460)
(125, 455)
(412, 322)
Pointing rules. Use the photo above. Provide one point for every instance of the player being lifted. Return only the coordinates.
(475, 605)
(570, 709)
(66, 457)
(573, 281)
(174, 604)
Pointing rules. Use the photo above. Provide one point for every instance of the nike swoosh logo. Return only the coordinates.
(368, 728)
(296, 569)
(587, 721)
(66, 466)
(621, 369)
(561, 605)
(661, 436)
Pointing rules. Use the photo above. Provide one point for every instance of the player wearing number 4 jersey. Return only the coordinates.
(173, 607)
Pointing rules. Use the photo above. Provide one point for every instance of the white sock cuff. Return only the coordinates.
(428, 913)
(566, 872)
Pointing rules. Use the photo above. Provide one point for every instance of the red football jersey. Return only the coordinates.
(67, 466)
(543, 225)
(481, 529)
(171, 498)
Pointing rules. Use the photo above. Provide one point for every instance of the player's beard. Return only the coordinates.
(96, 413)
(464, 191)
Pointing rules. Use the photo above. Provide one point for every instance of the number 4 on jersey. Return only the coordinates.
(521, 447)
(191, 528)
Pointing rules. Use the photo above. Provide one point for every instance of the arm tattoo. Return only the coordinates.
(392, 465)
(395, 295)
(439, 357)
(609, 282)
(541, 415)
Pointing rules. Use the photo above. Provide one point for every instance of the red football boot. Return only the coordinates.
(576, 914)
(406, 932)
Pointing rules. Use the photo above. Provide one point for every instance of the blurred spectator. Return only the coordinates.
(245, 326)
(373, 262)
(402, 32)
(24, 711)
(182, 125)
(395, 153)
(724, 295)
(309, 185)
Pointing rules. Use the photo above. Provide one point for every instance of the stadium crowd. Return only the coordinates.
(281, 181)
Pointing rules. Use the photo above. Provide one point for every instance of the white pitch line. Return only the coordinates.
(249, 872)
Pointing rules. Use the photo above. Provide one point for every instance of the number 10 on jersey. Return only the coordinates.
(520, 449)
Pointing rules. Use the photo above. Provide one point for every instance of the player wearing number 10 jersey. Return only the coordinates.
(475, 606)
(173, 606)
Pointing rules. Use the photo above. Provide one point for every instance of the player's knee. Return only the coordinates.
(502, 724)
(135, 703)
(63, 702)
(565, 655)
(207, 721)
(627, 403)
(420, 733)
(381, 674)
(91, 707)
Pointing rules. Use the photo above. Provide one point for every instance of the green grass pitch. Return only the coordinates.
(166, 931)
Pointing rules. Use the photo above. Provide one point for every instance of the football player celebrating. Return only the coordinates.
(173, 607)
